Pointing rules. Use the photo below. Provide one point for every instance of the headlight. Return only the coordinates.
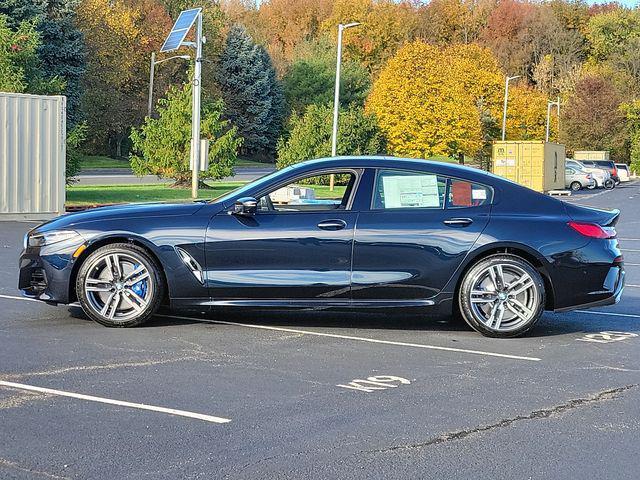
(49, 238)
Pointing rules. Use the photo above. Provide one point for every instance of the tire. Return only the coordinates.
(112, 299)
(575, 186)
(609, 184)
(508, 313)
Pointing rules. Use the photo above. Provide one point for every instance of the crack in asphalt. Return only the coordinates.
(8, 464)
(536, 414)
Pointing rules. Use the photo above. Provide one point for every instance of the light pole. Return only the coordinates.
(197, 93)
(549, 105)
(152, 75)
(336, 98)
(504, 109)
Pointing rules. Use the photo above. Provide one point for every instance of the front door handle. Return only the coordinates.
(332, 225)
(458, 222)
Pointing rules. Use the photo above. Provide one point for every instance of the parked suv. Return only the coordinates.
(623, 172)
(608, 165)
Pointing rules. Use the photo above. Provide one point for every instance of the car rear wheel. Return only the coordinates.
(120, 285)
(502, 296)
(575, 186)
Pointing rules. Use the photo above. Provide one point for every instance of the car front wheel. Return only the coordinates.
(120, 285)
(502, 296)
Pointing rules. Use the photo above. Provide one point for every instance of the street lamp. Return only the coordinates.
(152, 74)
(504, 109)
(549, 105)
(336, 98)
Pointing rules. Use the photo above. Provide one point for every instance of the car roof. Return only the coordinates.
(386, 161)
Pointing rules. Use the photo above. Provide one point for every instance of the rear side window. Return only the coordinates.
(405, 189)
(464, 194)
(402, 189)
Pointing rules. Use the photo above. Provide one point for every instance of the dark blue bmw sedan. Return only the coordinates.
(392, 233)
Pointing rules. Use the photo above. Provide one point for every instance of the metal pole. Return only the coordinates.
(504, 108)
(546, 138)
(195, 126)
(558, 132)
(336, 104)
(151, 74)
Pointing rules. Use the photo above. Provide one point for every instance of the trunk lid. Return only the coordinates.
(604, 218)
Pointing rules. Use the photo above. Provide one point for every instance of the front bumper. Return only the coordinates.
(46, 272)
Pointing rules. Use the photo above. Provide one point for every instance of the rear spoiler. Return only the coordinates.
(604, 218)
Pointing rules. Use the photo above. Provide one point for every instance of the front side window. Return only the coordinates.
(402, 189)
(310, 193)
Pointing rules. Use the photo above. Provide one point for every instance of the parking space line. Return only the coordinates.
(359, 339)
(91, 398)
(15, 297)
(608, 313)
(630, 249)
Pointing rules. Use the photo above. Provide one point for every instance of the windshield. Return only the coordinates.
(237, 192)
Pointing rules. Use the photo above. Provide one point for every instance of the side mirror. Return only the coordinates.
(246, 206)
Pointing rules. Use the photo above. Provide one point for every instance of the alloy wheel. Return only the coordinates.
(503, 297)
(118, 286)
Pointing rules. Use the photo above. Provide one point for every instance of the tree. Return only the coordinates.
(594, 120)
(431, 101)
(120, 36)
(61, 49)
(162, 145)
(253, 97)
(454, 21)
(283, 25)
(310, 135)
(311, 78)
(20, 68)
(539, 42)
(632, 113)
(527, 114)
(386, 25)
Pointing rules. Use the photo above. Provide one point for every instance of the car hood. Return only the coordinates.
(131, 210)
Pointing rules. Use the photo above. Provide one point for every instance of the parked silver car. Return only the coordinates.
(578, 179)
(602, 177)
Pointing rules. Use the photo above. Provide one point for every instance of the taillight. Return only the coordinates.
(615, 172)
(593, 230)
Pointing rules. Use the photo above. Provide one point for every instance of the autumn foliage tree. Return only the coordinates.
(386, 25)
(527, 114)
(120, 36)
(431, 101)
(593, 118)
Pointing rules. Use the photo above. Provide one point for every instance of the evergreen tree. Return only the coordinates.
(252, 94)
(61, 50)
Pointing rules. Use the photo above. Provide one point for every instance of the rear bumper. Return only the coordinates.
(614, 281)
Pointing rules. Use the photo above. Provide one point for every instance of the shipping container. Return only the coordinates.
(32, 156)
(591, 155)
(535, 164)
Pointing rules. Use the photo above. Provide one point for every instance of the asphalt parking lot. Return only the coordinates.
(247, 394)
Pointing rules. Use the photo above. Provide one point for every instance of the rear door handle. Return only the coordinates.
(458, 222)
(332, 225)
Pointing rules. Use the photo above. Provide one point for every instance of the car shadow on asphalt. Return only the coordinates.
(550, 325)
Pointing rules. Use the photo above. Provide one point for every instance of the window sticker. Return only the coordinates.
(479, 194)
(411, 191)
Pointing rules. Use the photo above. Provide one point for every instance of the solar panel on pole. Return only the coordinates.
(180, 29)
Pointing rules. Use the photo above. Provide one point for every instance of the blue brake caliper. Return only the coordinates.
(139, 288)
